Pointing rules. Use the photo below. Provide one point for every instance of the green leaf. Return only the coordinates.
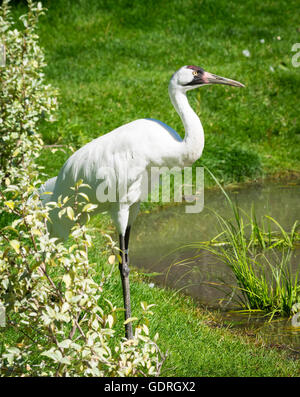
(85, 196)
(67, 280)
(70, 213)
(68, 295)
(130, 319)
(89, 207)
(16, 245)
(110, 320)
(65, 344)
(10, 204)
(61, 212)
(52, 354)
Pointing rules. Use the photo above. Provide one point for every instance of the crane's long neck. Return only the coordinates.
(193, 142)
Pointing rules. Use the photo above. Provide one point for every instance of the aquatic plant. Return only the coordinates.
(259, 258)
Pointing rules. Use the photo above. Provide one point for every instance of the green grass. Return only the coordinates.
(195, 340)
(112, 61)
(195, 343)
(197, 349)
(195, 346)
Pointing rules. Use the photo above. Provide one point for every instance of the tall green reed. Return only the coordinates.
(259, 257)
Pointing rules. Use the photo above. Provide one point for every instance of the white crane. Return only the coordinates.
(124, 156)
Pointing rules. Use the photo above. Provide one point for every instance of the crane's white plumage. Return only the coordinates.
(130, 151)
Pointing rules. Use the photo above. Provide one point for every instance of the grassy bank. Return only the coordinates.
(196, 342)
(197, 348)
(112, 61)
(197, 345)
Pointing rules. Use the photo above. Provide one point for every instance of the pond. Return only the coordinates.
(158, 246)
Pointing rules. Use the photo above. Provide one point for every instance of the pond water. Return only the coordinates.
(158, 245)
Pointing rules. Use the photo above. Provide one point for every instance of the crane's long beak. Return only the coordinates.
(210, 78)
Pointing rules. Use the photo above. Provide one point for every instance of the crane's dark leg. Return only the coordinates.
(127, 233)
(124, 271)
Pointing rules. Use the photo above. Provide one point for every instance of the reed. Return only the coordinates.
(260, 259)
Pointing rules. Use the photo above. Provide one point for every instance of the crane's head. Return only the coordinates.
(190, 77)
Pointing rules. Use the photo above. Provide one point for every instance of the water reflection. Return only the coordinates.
(158, 238)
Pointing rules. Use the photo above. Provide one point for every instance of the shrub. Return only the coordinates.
(54, 323)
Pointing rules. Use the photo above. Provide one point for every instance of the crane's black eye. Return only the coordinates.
(195, 73)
